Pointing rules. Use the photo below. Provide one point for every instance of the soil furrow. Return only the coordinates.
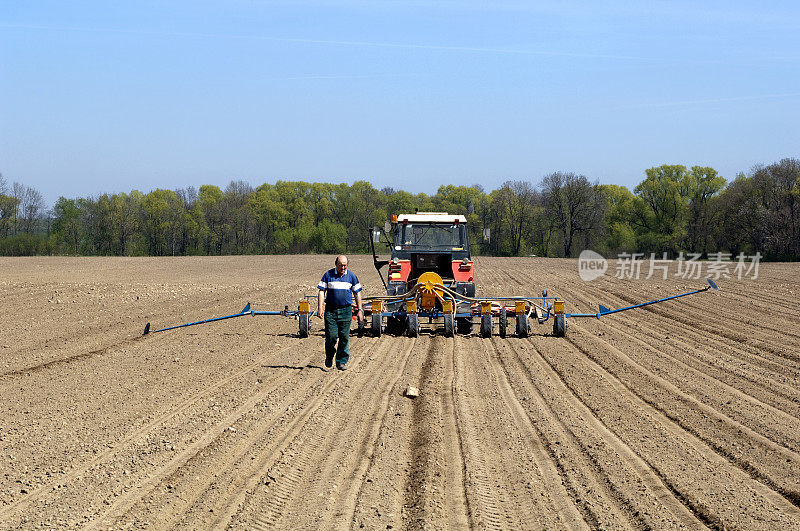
(737, 372)
(588, 489)
(542, 495)
(211, 468)
(132, 439)
(143, 488)
(422, 474)
(761, 457)
(313, 466)
(675, 328)
(726, 493)
(484, 506)
(684, 414)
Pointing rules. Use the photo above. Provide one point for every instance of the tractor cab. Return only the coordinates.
(428, 242)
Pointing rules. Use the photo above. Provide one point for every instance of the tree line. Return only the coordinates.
(674, 209)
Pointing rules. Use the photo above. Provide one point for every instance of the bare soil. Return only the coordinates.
(684, 414)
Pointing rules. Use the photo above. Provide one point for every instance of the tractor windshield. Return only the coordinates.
(431, 237)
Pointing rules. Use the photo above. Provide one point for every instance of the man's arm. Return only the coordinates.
(360, 307)
(320, 299)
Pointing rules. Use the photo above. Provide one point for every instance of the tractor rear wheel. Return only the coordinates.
(486, 325)
(412, 325)
(522, 325)
(449, 325)
(560, 325)
(305, 324)
(395, 325)
(502, 321)
(376, 324)
(464, 325)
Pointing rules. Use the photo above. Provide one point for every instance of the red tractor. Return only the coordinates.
(430, 246)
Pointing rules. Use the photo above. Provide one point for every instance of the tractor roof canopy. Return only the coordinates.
(431, 217)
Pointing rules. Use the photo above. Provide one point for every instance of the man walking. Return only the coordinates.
(336, 289)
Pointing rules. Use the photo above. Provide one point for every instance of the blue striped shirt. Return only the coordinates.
(339, 288)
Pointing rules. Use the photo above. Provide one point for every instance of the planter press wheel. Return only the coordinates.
(522, 325)
(305, 324)
(502, 321)
(412, 325)
(449, 325)
(486, 325)
(559, 325)
(376, 324)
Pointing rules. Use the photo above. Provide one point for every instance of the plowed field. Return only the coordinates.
(684, 414)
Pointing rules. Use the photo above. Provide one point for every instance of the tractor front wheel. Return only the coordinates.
(502, 321)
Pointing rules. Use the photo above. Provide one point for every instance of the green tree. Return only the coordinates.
(164, 215)
(67, 224)
(620, 234)
(701, 187)
(211, 225)
(271, 216)
(659, 210)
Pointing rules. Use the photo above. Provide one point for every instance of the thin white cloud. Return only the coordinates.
(411, 46)
(710, 100)
(333, 76)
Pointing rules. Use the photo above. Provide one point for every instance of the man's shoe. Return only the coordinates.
(329, 362)
(341, 366)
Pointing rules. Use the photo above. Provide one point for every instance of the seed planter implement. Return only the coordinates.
(431, 277)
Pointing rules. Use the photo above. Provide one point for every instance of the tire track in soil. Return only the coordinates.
(209, 469)
(381, 495)
(726, 497)
(621, 484)
(541, 499)
(753, 389)
(762, 458)
(142, 489)
(458, 508)
(770, 361)
(337, 469)
(731, 404)
(766, 456)
(357, 477)
(742, 400)
(81, 470)
(767, 391)
(311, 439)
(69, 359)
(483, 500)
(226, 469)
(423, 477)
(583, 480)
(758, 380)
(737, 335)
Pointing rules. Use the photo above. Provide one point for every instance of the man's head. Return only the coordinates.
(341, 264)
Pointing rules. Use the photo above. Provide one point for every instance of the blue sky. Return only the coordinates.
(110, 96)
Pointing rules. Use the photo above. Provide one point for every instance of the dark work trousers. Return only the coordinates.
(337, 327)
